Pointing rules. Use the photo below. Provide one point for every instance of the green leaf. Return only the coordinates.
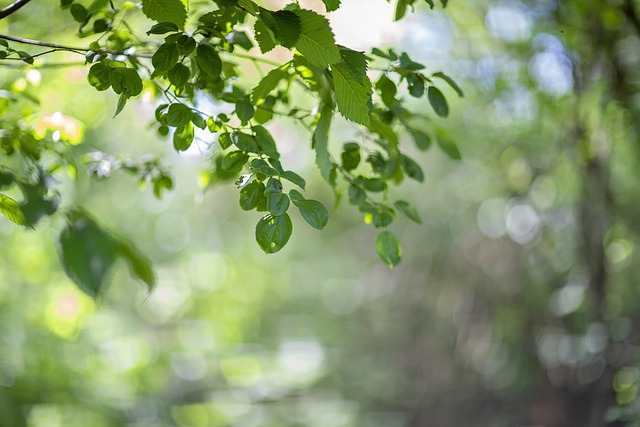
(266, 142)
(126, 81)
(401, 9)
(166, 11)
(284, 24)
(11, 210)
(208, 59)
(165, 57)
(179, 75)
(352, 86)
(122, 101)
(312, 211)
(350, 156)
(245, 142)
(295, 178)
(261, 166)
(98, 76)
(264, 36)
(87, 253)
(244, 109)
(412, 168)
(139, 265)
(183, 137)
(356, 194)
(438, 101)
(321, 142)
(270, 82)
(316, 42)
(178, 115)
(240, 38)
(79, 12)
(408, 210)
(277, 203)
(387, 90)
(163, 28)
(450, 81)
(252, 195)
(331, 5)
(422, 140)
(224, 139)
(388, 248)
(449, 147)
(234, 160)
(273, 232)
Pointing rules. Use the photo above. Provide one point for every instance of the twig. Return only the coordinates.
(13, 7)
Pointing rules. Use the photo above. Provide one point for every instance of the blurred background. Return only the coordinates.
(517, 302)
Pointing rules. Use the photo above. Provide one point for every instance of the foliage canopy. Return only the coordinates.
(187, 60)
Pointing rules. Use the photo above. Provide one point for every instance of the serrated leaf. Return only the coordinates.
(321, 142)
(438, 101)
(331, 5)
(165, 11)
(450, 81)
(388, 248)
(273, 232)
(408, 210)
(449, 147)
(316, 42)
(139, 265)
(87, 253)
(352, 87)
(264, 36)
(11, 210)
(269, 82)
(287, 27)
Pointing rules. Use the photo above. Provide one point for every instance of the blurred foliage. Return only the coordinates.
(515, 304)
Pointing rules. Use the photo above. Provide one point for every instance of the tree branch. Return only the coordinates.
(41, 43)
(13, 7)
(59, 47)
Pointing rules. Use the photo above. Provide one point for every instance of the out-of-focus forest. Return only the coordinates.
(517, 302)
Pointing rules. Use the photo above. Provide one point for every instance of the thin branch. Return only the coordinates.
(60, 47)
(13, 7)
(41, 43)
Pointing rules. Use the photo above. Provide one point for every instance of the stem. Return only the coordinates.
(13, 7)
(60, 47)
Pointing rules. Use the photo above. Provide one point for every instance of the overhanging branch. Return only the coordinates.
(13, 7)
